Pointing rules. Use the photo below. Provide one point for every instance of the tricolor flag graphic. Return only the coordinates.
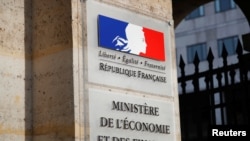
(126, 37)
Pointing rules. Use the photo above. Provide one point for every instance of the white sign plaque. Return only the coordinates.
(115, 52)
(121, 117)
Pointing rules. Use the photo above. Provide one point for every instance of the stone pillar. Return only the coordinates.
(15, 70)
(52, 56)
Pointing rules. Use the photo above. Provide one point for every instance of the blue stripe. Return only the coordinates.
(108, 29)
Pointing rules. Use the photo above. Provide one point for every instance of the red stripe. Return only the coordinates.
(155, 44)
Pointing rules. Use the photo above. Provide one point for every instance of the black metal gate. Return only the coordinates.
(223, 101)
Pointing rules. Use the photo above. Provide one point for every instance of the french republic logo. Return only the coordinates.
(126, 37)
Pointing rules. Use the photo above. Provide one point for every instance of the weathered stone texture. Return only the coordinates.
(53, 110)
(15, 75)
(53, 97)
(51, 26)
(12, 28)
(160, 9)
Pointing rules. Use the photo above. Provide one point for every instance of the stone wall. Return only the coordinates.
(53, 107)
(41, 66)
(162, 9)
(15, 70)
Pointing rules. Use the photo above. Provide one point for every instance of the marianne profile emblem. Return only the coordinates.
(130, 38)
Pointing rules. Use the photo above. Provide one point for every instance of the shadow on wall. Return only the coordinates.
(28, 69)
(49, 96)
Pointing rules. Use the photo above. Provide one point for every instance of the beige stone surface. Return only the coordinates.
(43, 84)
(15, 72)
(53, 104)
(160, 9)
(53, 114)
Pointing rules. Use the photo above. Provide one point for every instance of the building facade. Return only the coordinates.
(209, 26)
(213, 89)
